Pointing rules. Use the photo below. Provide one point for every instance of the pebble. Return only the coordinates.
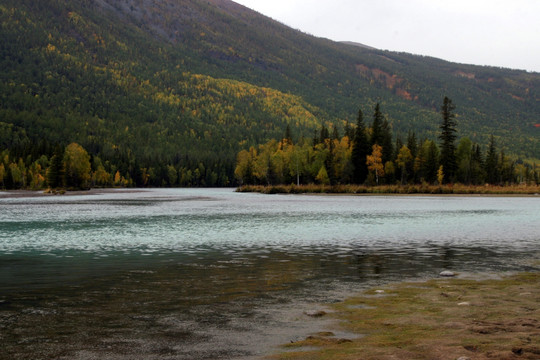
(318, 313)
(379, 291)
(447, 273)
(464, 358)
(465, 303)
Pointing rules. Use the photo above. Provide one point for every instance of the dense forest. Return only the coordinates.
(369, 155)
(146, 87)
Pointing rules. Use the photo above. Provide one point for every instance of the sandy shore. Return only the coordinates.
(12, 194)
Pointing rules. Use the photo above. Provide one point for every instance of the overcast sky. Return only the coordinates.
(503, 33)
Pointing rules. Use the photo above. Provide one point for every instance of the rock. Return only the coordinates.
(447, 273)
(315, 313)
(379, 291)
(463, 358)
(517, 350)
(465, 303)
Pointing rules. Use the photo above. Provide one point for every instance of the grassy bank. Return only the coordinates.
(438, 319)
(393, 189)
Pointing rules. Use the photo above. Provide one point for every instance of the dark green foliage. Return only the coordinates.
(432, 163)
(491, 164)
(377, 127)
(55, 172)
(335, 133)
(478, 173)
(412, 145)
(360, 150)
(348, 130)
(288, 134)
(448, 138)
(325, 134)
(387, 143)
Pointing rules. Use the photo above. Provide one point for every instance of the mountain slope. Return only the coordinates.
(188, 82)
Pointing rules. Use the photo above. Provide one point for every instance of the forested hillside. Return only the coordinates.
(166, 93)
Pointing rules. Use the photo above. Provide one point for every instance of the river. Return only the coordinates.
(214, 274)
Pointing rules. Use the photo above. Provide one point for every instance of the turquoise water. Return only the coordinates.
(240, 252)
(191, 221)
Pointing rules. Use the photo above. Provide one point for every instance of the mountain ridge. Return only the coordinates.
(185, 77)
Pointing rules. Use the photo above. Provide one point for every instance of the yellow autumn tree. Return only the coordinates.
(374, 162)
(322, 176)
(244, 170)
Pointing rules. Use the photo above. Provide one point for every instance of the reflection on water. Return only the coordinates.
(207, 273)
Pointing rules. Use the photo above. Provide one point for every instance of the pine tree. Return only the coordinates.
(377, 131)
(55, 174)
(325, 134)
(448, 137)
(335, 133)
(412, 145)
(477, 166)
(432, 163)
(491, 165)
(386, 142)
(360, 151)
(349, 131)
(288, 134)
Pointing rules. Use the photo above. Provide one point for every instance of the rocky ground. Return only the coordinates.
(440, 319)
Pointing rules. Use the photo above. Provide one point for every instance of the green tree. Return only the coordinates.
(77, 166)
(412, 145)
(478, 173)
(377, 130)
(448, 137)
(288, 134)
(360, 150)
(464, 156)
(172, 175)
(55, 172)
(386, 142)
(492, 163)
(429, 161)
(404, 159)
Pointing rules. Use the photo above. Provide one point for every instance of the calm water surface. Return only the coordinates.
(210, 274)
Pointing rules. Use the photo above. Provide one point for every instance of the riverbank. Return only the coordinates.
(437, 319)
(451, 189)
(8, 194)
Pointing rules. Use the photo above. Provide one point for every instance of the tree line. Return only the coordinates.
(363, 155)
(43, 166)
(370, 155)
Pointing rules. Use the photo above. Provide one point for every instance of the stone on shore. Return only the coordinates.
(315, 313)
(447, 273)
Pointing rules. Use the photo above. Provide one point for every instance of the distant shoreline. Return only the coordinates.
(426, 190)
(12, 194)
(358, 190)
